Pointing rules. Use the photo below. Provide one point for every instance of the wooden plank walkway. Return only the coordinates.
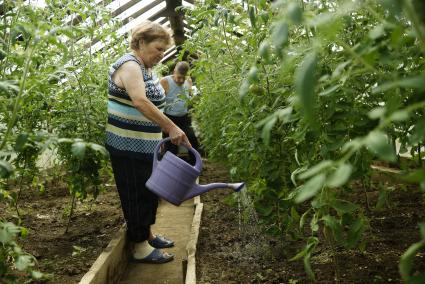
(174, 223)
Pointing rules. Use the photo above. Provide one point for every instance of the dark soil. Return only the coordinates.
(67, 256)
(225, 256)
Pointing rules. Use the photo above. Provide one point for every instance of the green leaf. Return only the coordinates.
(303, 218)
(406, 260)
(6, 169)
(418, 132)
(280, 35)
(332, 223)
(99, 148)
(36, 274)
(422, 230)
(24, 232)
(262, 4)
(340, 176)
(343, 206)
(310, 188)
(316, 169)
(416, 82)
(295, 173)
(382, 198)
(20, 141)
(264, 51)
(267, 128)
(400, 115)
(294, 214)
(3, 54)
(8, 85)
(65, 140)
(24, 262)
(305, 82)
(295, 13)
(253, 75)
(415, 176)
(355, 232)
(329, 90)
(243, 89)
(377, 32)
(417, 279)
(377, 142)
(8, 232)
(265, 210)
(307, 266)
(252, 17)
(340, 68)
(299, 255)
(78, 149)
(376, 113)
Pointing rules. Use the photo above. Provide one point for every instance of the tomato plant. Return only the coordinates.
(300, 97)
(53, 93)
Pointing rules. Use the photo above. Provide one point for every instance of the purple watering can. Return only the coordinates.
(175, 180)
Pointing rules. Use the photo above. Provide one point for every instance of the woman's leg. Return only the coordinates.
(139, 205)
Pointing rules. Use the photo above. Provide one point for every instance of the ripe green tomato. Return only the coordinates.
(255, 89)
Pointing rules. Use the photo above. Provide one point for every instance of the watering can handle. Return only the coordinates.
(198, 164)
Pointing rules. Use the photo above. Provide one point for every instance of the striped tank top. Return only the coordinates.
(128, 132)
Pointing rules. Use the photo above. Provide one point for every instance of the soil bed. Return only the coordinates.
(223, 256)
(67, 256)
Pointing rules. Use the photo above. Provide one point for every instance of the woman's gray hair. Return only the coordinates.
(149, 31)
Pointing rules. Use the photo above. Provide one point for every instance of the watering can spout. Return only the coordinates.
(198, 189)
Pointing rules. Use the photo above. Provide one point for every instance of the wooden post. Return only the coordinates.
(176, 21)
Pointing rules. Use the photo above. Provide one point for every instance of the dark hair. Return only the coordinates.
(182, 68)
(148, 31)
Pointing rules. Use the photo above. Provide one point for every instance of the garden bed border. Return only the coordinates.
(189, 271)
(112, 262)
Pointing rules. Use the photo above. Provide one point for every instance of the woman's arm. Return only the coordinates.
(131, 78)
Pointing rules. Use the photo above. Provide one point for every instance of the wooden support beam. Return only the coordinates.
(139, 9)
(176, 20)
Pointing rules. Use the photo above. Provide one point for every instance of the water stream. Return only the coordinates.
(252, 243)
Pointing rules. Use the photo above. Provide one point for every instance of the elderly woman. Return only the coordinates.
(134, 129)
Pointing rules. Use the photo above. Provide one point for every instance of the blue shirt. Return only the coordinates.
(176, 98)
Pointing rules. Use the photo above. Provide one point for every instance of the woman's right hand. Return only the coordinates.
(178, 136)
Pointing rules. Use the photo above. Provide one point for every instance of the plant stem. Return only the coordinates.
(18, 194)
(71, 212)
(307, 30)
(9, 40)
(413, 17)
(227, 45)
(12, 121)
(83, 107)
(366, 197)
(267, 78)
(331, 243)
(355, 55)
